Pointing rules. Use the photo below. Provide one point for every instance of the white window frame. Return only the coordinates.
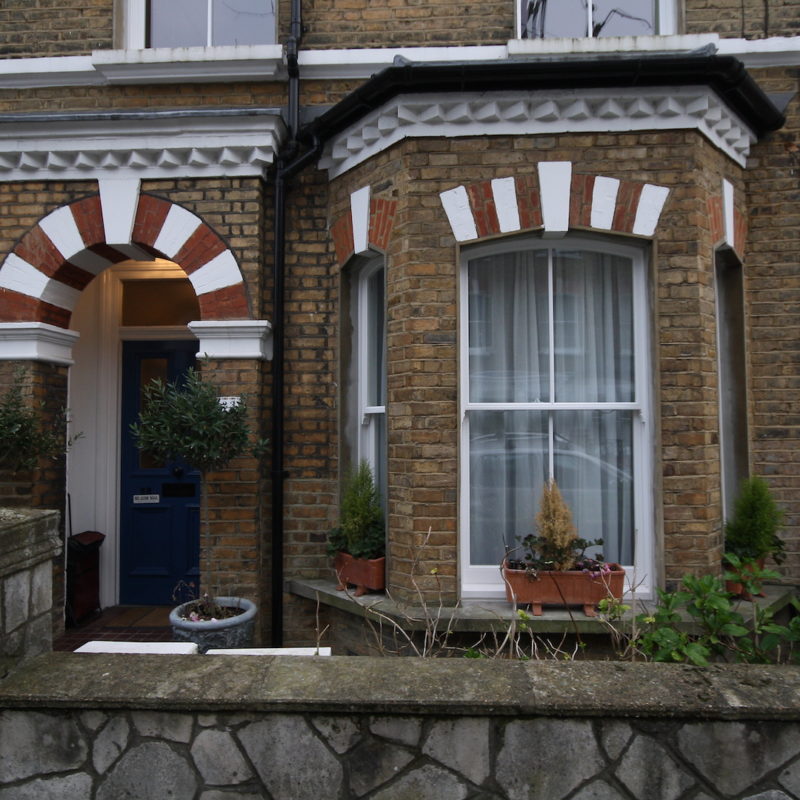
(368, 413)
(667, 17)
(484, 581)
(134, 32)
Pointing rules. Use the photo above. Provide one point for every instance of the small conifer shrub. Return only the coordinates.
(752, 532)
(361, 531)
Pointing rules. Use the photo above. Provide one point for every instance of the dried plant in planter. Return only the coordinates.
(555, 568)
(557, 545)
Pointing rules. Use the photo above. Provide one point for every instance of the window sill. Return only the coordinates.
(630, 45)
(191, 64)
(479, 616)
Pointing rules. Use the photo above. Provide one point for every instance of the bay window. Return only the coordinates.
(555, 382)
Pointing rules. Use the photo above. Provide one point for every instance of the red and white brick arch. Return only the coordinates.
(366, 227)
(42, 278)
(553, 200)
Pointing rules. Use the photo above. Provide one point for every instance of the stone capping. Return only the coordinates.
(27, 538)
(289, 684)
(36, 341)
(234, 338)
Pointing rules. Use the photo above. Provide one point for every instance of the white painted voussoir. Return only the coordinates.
(604, 202)
(504, 192)
(727, 212)
(179, 225)
(359, 210)
(36, 341)
(234, 338)
(456, 206)
(63, 232)
(555, 188)
(119, 199)
(218, 273)
(648, 212)
(18, 275)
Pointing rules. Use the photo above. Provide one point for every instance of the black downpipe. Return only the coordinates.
(289, 163)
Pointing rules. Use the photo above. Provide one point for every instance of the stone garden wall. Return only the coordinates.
(29, 542)
(246, 727)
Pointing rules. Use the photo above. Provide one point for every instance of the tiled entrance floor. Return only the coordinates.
(122, 624)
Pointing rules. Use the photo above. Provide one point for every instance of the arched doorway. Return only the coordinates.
(133, 324)
(69, 272)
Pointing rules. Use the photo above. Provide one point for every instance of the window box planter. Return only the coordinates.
(562, 588)
(363, 573)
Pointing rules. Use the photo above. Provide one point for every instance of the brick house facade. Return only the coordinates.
(428, 144)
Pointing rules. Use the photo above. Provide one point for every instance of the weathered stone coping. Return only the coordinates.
(286, 684)
(492, 615)
(27, 537)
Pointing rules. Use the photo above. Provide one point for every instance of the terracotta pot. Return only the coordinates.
(363, 573)
(567, 588)
(736, 588)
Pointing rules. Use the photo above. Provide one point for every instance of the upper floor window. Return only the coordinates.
(197, 23)
(210, 23)
(544, 19)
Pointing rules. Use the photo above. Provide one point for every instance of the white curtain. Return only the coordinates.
(510, 334)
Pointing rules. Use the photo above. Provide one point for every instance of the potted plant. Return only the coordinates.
(186, 420)
(358, 544)
(751, 536)
(555, 568)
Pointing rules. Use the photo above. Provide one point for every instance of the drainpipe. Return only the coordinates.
(289, 163)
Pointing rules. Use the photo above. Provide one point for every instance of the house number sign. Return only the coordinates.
(146, 498)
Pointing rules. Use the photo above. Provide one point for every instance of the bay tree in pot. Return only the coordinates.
(185, 420)
(358, 545)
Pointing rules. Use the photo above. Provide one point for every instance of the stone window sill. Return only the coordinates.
(479, 616)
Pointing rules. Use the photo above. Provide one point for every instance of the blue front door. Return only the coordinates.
(159, 503)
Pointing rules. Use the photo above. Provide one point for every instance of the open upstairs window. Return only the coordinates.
(197, 23)
(555, 379)
(546, 19)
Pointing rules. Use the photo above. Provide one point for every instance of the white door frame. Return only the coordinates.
(93, 469)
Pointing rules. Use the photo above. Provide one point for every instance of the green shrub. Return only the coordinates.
(752, 531)
(24, 439)
(361, 531)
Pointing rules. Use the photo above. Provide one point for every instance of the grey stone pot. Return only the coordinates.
(232, 632)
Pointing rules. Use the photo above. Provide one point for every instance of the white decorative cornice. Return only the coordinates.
(158, 145)
(36, 341)
(234, 338)
(539, 112)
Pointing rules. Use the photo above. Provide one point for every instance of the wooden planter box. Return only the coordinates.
(363, 573)
(568, 588)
